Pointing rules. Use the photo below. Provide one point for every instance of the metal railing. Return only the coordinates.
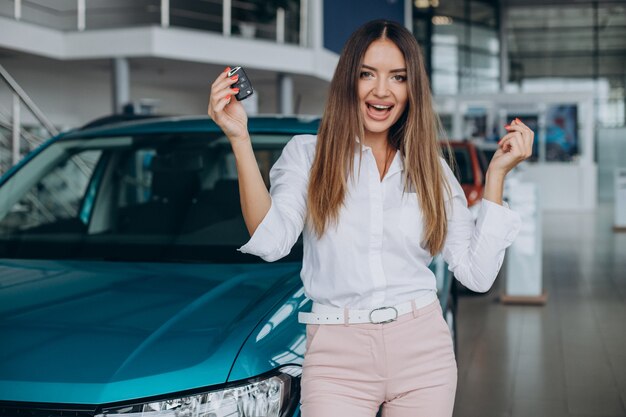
(21, 140)
(282, 21)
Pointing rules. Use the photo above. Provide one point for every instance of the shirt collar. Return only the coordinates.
(396, 164)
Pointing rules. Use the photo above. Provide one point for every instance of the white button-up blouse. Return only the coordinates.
(373, 257)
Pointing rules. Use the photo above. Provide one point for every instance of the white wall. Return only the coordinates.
(68, 97)
(564, 186)
(72, 93)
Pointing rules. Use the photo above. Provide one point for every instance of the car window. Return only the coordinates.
(484, 158)
(53, 203)
(486, 155)
(149, 198)
(463, 169)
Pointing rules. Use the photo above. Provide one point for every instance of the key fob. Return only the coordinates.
(243, 83)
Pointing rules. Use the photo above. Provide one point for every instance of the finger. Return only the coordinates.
(524, 150)
(219, 107)
(221, 95)
(516, 127)
(219, 112)
(222, 76)
(528, 138)
(518, 148)
(508, 136)
(218, 95)
(217, 100)
(527, 133)
(505, 143)
(217, 104)
(518, 122)
(225, 82)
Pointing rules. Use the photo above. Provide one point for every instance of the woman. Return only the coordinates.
(375, 203)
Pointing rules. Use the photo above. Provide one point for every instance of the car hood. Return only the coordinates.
(100, 332)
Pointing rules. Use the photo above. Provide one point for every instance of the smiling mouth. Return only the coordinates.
(379, 107)
(379, 112)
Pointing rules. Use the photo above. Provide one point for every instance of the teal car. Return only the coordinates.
(121, 289)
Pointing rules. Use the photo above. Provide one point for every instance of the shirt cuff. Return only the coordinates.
(498, 221)
(262, 240)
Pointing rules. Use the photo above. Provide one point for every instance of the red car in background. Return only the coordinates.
(470, 169)
(471, 162)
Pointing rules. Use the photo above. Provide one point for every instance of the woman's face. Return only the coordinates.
(382, 86)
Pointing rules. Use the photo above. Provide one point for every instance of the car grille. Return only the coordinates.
(46, 410)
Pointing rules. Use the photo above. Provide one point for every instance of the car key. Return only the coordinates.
(243, 83)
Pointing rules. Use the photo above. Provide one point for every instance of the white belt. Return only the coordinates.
(323, 314)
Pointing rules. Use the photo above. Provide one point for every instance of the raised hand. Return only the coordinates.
(228, 113)
(514, 147)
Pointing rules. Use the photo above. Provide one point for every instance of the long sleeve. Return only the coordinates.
(283, 223)
(475, 252)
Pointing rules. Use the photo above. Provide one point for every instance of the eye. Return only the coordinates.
(366, 74)
(401, 78)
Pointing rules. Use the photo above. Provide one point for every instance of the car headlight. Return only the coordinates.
(269, 396)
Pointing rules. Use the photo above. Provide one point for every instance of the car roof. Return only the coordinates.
(113, 127)
(194, 124)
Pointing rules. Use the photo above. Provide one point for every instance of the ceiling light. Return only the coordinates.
(425, 4)
(442, 20)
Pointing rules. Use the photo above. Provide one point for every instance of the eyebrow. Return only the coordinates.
(393, 70)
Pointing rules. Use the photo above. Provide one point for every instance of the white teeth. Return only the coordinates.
(380, 107)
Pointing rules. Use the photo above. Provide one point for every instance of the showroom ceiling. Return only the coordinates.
(567, 39)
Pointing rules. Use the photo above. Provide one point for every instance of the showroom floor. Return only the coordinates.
(567, 358)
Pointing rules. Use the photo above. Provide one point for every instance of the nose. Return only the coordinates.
(381, 89)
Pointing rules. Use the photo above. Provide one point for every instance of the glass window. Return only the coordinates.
(483, 12)
(420, 29)
(258, 19)
(53, 203)
(612, 38)
(484, 39)
(610, 66)
(557, 39)
(451, 8)
(445, 83)
(55, 18)
(103, 14)
(566, 66)
(547, 18)
(612, 15)
(465, 52)
(155, 198)
(451, 34)
(480, 65)
(445, 58)
(479, 85)
(201, 15)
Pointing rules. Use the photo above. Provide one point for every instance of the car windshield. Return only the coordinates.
(153, 198)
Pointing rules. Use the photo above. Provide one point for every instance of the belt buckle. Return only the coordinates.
(384, 321)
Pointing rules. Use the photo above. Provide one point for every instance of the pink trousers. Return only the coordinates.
(407, 365)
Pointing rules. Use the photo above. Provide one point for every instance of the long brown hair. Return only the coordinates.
(414, 135)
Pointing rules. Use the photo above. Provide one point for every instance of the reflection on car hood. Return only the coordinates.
(97, 332)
